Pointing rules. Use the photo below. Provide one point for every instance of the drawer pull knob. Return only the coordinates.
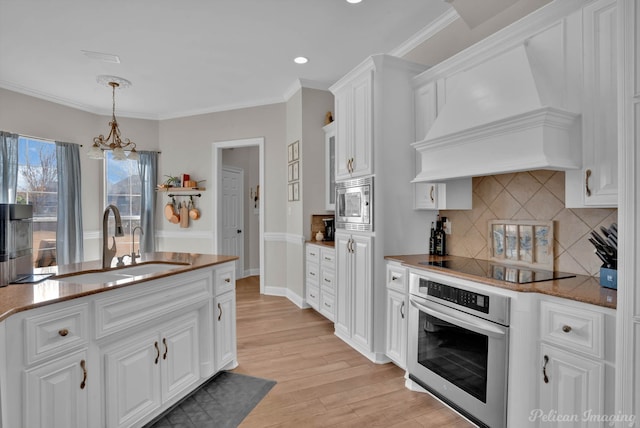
(327, 305)
(566, 328)
(227, 280)
(155, 344)
(312, 296)
(544, 370)
(395, 278)
(63, 332)
(83, 366)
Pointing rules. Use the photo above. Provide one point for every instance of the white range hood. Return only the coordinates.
(501, 117)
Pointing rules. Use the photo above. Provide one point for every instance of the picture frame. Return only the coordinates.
(290, 173)
(521, 242)
(296, 171)
(295, 150)
(296, 191)
(290, 153)
(290, 198)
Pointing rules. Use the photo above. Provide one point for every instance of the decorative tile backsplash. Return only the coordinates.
(531, 195)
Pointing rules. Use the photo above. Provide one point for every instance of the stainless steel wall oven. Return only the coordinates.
(458, 346)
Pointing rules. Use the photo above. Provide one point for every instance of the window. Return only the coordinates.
(123, 189)
(38, 185)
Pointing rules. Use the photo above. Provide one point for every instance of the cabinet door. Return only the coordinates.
(397, 327)
(362, 293)
(574, 386)
(180, 357)
(344, 138)
(343, 284)
(56, 393)
(330, 166)
(597, 183)
(362, 150)
(132, 380)
(225, 330)
(425, 196)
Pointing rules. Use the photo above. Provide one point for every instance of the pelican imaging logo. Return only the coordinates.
(554, 417)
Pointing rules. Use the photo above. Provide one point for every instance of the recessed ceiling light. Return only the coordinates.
(301, 60)
(354, 1)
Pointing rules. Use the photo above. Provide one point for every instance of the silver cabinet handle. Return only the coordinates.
(431, 192)
(587, 174)
(402, 310)
(219, 314)
(566, 328)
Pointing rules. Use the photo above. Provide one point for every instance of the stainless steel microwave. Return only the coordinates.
(354, 204)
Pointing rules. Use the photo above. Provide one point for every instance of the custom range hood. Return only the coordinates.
(501, 116)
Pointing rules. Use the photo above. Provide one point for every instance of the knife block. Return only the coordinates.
(609, 278)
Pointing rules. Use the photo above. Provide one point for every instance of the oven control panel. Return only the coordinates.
(466, 298)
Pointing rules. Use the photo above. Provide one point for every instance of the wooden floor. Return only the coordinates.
(321, 380)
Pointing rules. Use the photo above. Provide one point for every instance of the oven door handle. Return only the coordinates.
(477, 325)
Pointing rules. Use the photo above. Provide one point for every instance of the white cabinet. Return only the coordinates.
(449, 195)
(397, 321)
(56, 393)
(354, 290)
(596, 184)
(225, 330)
(354, 126)
(330, 166)
(144, 373)
(576, 361)
(320, 279)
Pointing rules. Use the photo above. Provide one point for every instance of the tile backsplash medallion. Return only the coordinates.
(530, 195)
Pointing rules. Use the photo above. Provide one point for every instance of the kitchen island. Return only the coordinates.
(94, 348)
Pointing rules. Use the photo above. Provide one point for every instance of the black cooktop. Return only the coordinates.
(501, 272)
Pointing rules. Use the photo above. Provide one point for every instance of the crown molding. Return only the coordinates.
(426, 33)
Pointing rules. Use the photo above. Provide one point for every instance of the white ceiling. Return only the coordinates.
(187, 57)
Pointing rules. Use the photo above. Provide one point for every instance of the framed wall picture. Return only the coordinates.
(296, 150)
(290, 192)
(296, 191)
(289, 152)
(290, 172)
(296, 171)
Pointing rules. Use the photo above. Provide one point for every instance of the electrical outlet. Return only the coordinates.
(447, 227)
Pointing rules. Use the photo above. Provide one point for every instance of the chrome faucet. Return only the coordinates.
(133, 244)
(109, 253)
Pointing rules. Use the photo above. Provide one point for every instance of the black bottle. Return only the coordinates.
(432, 239)
(440, 240)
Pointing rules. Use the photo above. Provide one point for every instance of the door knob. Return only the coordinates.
(239, 231)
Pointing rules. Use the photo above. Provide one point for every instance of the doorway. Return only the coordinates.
(218, 203)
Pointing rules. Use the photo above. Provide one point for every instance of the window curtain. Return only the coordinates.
(148, 167)
(8, 167)
(69, 239)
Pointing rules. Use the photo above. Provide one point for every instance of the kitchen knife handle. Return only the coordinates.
(586, 181)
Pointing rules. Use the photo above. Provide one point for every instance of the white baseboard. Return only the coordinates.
(251, 272)
(285, 292)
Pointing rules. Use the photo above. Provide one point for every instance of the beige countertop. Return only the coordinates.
(580, 288)
(20, 297)
(330, 244)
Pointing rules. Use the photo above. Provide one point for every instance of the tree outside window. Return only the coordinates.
(38, 186)
(123, 189)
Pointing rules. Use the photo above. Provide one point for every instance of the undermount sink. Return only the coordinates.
(119, 274)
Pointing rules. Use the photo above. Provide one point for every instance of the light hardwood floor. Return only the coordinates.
(321, 380)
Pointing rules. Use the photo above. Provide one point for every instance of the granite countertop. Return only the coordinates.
(21, 297)
(580, 288)
(330, 244)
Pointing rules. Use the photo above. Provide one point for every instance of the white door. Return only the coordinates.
(233, 215)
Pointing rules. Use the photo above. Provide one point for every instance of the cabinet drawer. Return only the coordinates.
(327, 305)
(313, 253)
(225, 279)
(578, 329)
(328, 258)
(328, 282)
(313, 272)
(130, 308)
(397, 278)
(54, 332)
(313, 296)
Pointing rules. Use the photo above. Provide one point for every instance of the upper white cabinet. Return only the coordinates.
(354, 128)
(596, 183)
(450, 195)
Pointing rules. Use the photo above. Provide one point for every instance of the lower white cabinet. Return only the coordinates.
(576, 357)
(397, 307)
(225, 330)
(117, 358)
(147, 371)
(56, 393)
(354, 290)
(320, 279)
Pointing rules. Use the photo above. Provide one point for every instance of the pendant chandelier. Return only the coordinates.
(113, 141)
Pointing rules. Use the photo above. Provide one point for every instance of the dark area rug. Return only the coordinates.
(221, 402)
